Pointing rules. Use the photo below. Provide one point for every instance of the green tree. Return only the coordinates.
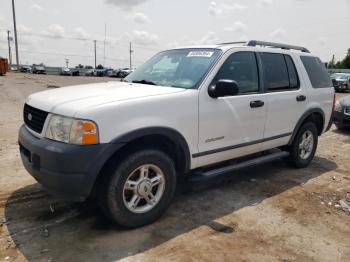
(99, 66)
(79, 66)
(343, 64)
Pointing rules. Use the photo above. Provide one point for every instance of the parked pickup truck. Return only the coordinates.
(181, 115)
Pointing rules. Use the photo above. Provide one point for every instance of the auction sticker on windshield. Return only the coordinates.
(200, 54)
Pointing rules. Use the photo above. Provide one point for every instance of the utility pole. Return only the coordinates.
(67, 62)
(15, 31)
(95, 52)
(8, 40)
(130, 51)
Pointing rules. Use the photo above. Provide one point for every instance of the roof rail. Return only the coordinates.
(277, 45)
(232, 43)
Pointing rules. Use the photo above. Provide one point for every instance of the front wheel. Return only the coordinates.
(137, 191)
(304, 146)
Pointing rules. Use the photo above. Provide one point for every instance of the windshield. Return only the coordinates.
(183, 68)
(340, 76)
(343, 77)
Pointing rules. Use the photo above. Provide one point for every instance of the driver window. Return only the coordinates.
(242, 68)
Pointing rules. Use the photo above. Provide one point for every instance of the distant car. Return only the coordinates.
(89, 72)
(341, 113)
(99, 72)
(65, 71)
(114, 73)
(125, 72)
(39, 70)
(103, 72)
(341, 81)
(76, 72)
(109, 72)
(25, 69)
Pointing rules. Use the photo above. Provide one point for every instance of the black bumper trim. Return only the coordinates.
(340, 118)
(68, 171)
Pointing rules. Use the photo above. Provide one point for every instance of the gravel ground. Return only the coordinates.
(265, 213)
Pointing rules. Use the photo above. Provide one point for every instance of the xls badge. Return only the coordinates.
(30, 117)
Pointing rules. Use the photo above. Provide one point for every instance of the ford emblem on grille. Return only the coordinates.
(30, 116)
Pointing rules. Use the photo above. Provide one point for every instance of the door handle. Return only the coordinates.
(257, 103)
(301, 98)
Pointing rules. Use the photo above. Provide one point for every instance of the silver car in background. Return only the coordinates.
(341, 81)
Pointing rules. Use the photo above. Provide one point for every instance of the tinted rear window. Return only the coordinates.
(276, 75)
(317, 72)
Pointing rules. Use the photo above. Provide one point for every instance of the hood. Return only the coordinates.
(71, 99)
(345, 101)
(340, 79)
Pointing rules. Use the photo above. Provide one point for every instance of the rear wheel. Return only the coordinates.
(139, 189)
(304, 146)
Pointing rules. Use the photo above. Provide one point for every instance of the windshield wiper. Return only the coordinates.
(146, 82)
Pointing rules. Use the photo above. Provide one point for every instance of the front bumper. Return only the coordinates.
(66, 170)
(339, 118)
(341, 86)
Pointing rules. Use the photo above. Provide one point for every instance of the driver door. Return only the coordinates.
(232, 126)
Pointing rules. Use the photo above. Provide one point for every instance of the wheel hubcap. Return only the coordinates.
(306, 145)
(144, 188)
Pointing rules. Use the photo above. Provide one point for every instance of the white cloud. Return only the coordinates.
(37, 7)
(236, 27)
(321, 41)
(216, 9)
(264, 3)
(24, 30)
(141, 18)
(208, 39)
(278, 33)
(143, 37)
(81, 33)
(55, 31)
(126, 4)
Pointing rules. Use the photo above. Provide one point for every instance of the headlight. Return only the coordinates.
(71, 130)
(338, 106)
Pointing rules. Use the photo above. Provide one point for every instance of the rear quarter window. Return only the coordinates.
(316, 71)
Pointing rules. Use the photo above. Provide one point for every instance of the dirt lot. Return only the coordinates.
(266, 213)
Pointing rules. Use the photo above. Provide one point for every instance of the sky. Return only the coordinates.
(53, 31)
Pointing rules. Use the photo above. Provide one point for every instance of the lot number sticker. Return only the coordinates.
(200, 54)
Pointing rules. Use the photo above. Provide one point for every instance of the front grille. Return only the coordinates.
(34, 118)
(347, 110)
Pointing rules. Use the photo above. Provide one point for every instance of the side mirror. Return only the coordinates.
(223, 87)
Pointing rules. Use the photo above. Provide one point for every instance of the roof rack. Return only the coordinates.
(269, 44)
(277, 45)
(232, 43)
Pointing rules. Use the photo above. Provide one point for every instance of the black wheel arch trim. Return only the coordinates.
(303, 118)
(172, 134)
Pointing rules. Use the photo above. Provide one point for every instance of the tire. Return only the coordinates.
(296, 158)
(116, 195)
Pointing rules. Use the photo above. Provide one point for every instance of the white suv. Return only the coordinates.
(177, 116)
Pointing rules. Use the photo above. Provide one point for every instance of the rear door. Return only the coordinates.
(286, 99)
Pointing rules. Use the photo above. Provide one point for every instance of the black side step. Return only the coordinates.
(206, 175)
